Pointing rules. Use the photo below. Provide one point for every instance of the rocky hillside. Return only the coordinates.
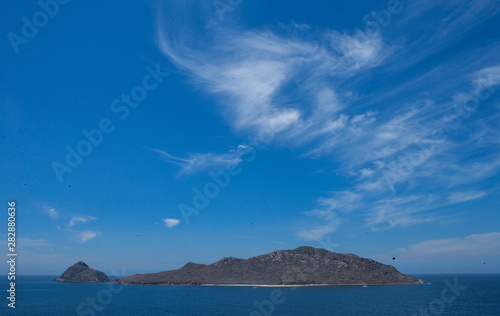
(80, 272)
(303, 265)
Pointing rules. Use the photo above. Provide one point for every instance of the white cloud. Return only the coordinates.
(80, 219)
(359, 51)
(253, 72)
(457, 18)
(366, 172)
(85, 236)
(487, 78)
(52, 213)
(477, 245)
(81, 236)
(478, 169)
(326, 216)
(206, 161)
(318, 232)
(307, 90)
(339, 201)
(171, 222)
(459, 197)
(401, 211)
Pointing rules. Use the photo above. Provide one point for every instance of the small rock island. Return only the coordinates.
(80, 272)
(300, 266)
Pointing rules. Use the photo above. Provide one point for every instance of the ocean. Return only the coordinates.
(462, 294)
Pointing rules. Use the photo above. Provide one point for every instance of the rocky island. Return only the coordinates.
(80, 272)
(300, 266)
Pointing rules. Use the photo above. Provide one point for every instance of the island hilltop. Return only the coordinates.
(300, 266)
(80, 272)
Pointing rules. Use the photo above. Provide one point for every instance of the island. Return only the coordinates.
(301, 266)
(80, 272)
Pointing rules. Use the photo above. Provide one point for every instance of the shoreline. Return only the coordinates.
(274, 285)
(308, 285)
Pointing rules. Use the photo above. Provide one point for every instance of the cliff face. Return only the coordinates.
(303, 265)
(80, 272)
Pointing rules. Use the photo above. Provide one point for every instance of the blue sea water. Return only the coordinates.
(445, 295)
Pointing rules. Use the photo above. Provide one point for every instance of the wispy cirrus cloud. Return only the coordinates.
(459, 197)
(402, 211)
(317, 232)
(388, 140)
(471, 246)
(458, 17)
(340, 201)
(81, 236)
(326, 215)
(80, 220)
(204, 161)
(253, 71)
(486, 78)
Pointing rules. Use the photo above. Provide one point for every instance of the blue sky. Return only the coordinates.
(140, 136)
